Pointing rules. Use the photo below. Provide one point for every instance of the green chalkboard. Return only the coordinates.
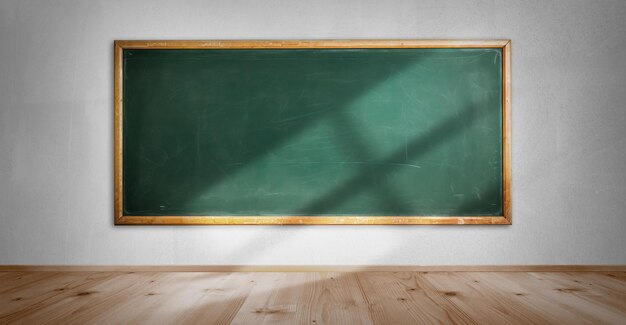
(313, 132)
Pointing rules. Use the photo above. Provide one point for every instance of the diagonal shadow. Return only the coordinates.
(417, 147)
(197, 148)
(385, 192)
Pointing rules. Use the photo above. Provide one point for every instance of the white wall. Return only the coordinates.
(56, 139)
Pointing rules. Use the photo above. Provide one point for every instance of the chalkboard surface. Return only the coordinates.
(313, 132)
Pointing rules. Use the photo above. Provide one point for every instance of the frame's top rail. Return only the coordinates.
(295, 44)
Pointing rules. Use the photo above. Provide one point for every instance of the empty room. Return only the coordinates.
(312, 162)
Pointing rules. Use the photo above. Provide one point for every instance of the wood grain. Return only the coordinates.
(308, 220)
(312, 297)
(299, 44)
(121, 219)
(506, 132)
(118, 118)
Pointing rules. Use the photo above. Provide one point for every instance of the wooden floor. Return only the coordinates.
(313, 297)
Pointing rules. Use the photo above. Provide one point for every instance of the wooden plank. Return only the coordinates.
(12, 281)
(261, 305)
(475, 305)
(401, 297)
(596, 289)
(279, 298)
(507, 286)
(324, 298)
(29, 300)
(171, 298)
(340, 300)
(313, 298)
(562, 302)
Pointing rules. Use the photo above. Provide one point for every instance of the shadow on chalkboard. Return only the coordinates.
(257, 132)
(363, 180)
(419, 146)
(208, 151)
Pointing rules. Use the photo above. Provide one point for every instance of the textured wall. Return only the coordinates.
(56, 139)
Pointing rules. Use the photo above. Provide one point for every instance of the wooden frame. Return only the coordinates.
(121, 219)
